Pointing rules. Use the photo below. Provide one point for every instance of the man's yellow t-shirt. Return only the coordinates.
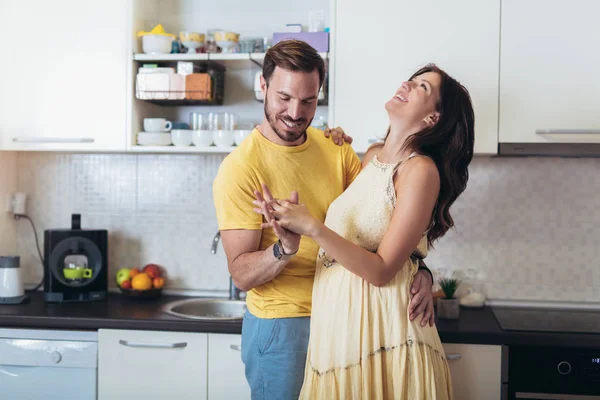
(319, 170)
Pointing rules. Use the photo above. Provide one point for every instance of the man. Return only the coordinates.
(274, 266)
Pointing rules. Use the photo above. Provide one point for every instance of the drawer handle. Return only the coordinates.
(179, 345)
(52, 140)
(567, 131)
(453, 357)
(235, 347)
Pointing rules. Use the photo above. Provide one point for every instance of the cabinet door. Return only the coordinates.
(549, 67)
(64, 74)
(476, 370)
(226, 376)
(151, 365)
(378, 44)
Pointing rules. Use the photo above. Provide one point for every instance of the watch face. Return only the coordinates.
(277, 251)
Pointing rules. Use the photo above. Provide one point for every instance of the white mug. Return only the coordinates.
(157, 125)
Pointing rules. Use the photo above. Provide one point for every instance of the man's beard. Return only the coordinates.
(286, 136)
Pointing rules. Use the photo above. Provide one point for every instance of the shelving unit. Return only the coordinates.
(181, 149)
(231, 61)
(259, 57)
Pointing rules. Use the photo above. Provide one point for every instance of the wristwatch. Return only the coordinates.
(424, 268)
(278, 251)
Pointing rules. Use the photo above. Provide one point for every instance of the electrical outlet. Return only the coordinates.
(15, 203)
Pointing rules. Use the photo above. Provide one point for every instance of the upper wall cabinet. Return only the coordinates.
(64, 74)
(549, 82)
(378, 44)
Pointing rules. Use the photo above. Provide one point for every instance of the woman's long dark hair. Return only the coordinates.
(449, 143)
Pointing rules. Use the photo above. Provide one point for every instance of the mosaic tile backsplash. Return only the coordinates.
(7, 185)
(528, 227)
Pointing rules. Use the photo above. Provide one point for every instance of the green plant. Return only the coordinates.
(449, 286)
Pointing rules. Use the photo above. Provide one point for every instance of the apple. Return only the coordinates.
(126, 284)
(158, 282)
(133, 272)
(122, 274)
(152, 270)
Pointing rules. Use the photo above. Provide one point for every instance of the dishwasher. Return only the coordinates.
(48, 364)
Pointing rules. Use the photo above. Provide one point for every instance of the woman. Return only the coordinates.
(362, 342)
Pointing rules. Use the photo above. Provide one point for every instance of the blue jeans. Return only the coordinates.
(274, 353)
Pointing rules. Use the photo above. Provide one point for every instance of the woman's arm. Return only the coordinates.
(417, 185)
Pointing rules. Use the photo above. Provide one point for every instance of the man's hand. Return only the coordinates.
(421, 298)
(337, 135)
(289, 239)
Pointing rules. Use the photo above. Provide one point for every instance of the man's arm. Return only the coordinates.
(423, 267)
(250, 267)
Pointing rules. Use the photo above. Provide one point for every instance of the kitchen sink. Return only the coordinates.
(207, 309)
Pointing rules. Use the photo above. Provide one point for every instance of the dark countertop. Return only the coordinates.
(475, 326)
(116, 312)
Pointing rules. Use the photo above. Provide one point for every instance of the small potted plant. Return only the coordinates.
(448, 307)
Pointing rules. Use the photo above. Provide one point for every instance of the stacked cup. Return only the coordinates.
(156, 132)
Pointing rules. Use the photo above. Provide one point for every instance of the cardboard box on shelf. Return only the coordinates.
(318, 40)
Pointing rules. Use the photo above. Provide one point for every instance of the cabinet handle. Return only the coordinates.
(235, 347)
(452, 357)
(52, 140)
(567, 131)
(153, 345)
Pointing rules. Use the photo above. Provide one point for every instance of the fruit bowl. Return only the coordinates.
(141, 283)
(141, 294)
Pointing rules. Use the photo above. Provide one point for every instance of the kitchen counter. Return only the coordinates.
(475, 326)
(116, 312)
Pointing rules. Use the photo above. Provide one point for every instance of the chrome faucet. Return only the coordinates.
(215, 243)
(234, 292)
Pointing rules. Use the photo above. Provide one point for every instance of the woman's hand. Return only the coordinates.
(288, 215)
(289, 240)
(337, 135)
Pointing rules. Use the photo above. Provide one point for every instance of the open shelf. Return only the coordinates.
(171, 57)
(182, 149)
(261, 56)
(204, 57)
(183, 102)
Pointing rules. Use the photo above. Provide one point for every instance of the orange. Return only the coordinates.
(158, 282)
(133, 272)
(141, 282)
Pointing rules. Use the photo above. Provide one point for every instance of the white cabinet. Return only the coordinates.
(226, 376)
(476, 370)
(64, 74)
(151, 365)
(378, 44)
(549, 71)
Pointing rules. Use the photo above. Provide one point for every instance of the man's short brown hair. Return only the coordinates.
(293, 55)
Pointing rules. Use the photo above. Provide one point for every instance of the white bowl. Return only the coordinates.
(181, 137)
(156, 44)
(226, 46)
(202, 138)
(223, 138)
(154, 139)
(240, 135)
(191, 45)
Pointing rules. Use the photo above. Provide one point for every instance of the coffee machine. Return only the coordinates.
(75, 263)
